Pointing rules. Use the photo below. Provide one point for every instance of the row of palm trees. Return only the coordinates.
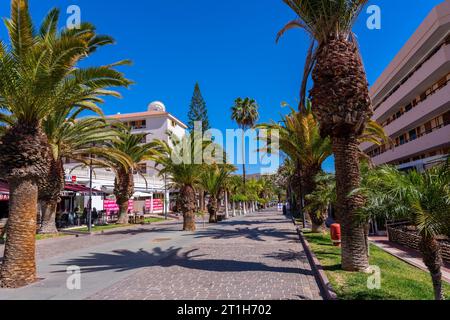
(300, 140)
(42, 91)
(176, 159)
(422, 199)
(339, 122)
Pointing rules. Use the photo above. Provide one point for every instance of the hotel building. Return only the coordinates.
(411, 98)
(156, 122)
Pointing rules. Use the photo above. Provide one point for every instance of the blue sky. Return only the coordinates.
(227, 46)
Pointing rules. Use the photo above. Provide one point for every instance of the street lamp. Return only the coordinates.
(89, 216)
(165, 197)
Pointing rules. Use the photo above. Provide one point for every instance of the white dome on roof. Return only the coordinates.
(157, 106)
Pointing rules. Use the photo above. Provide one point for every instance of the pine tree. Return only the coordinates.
(198, 111)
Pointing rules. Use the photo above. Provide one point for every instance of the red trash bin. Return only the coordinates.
(335, 230)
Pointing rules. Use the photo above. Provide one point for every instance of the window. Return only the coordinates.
(402, 139)
(442, 82)
(412, 135)
(408, 107)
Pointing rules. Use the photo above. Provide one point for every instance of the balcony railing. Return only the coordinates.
(407, 77)
(423, 97)
(406, 140)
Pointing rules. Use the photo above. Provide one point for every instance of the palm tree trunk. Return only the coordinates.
(354, 253)
(188, 206)
(431, 255)
(227, 213)
(243, 157)
(212, 209)
(234, 209)
(123, 212)
(48, 221)
(49, 192)
(123, 190)
(318, 225)
(19, 264)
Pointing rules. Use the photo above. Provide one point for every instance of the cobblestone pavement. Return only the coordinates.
(253, 258)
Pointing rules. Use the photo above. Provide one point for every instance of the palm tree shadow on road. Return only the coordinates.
(125, 260)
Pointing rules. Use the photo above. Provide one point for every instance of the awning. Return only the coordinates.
(71, 188)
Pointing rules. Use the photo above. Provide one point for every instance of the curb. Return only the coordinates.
(324, 283)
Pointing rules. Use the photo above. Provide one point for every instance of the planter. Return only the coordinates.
(405, 236)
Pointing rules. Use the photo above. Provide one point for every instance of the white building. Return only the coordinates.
(156, 122)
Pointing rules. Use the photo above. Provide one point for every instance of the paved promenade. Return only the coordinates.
(255, 257)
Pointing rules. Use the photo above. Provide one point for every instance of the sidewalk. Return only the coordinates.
(256, 257)
(407, 254)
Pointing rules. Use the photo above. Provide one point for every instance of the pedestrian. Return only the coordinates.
(76, 216)
(94, 216)
(85, 216)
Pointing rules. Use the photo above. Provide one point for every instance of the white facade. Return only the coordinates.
(156, 122)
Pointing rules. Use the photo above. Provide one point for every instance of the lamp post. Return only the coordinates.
(165, 197)
(89, 216)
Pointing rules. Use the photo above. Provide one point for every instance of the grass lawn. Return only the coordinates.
(103, 228)
(153, 220)
(49, 236)
(115, 226)
(399, 280)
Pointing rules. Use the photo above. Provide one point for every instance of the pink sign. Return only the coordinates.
(111, 206)
(158, 205)
(4, 197)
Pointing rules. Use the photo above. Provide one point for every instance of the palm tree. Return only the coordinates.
(340, 96)
(300, 139)
(73, 139)
(323, 196)
(245, 113)
(234, 188)
(38, 76)
(177, 159)
(114, 155)
(423, 199)
(213, 180)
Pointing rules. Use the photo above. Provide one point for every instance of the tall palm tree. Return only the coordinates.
(423, 199)
(213, 180)
(245, 113)
(137, 152)
(340, 96)
(235, 188)
(300, 139)
(176, 160)
(38, 76)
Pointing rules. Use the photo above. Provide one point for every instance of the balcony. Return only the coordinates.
(438, 137)
(439, 63)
